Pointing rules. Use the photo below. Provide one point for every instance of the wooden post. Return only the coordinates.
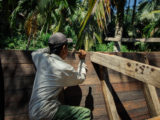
(155, 118)
(110, 104)
(151, 97)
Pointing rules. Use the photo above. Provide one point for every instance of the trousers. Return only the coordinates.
(66, 112)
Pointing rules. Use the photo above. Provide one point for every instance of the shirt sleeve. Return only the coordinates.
(36, 54)
(71, 77)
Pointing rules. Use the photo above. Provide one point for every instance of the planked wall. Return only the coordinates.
(18, 73)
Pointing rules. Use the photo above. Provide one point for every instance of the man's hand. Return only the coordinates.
(82, 54)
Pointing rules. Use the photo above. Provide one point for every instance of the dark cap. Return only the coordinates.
(59, 38)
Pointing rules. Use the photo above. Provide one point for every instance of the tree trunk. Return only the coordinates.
(134, 10)
(4, 18)
(119, 25)
(127, 10)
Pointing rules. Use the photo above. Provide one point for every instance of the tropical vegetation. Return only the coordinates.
(27, 24)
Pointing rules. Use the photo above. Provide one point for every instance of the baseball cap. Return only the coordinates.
(59, 38)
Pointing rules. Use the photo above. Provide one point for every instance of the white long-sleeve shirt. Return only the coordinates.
(51, 76)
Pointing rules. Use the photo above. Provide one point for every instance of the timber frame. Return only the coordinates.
(133, 39)
(143, 72)
(119, 40)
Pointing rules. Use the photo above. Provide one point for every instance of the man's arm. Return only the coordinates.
(70, 76)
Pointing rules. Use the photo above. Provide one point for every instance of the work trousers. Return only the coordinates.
(66, 112)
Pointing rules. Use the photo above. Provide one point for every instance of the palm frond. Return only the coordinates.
(98, 37)
(31, 24)
(101, 8)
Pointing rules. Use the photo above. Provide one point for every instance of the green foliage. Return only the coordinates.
(105, 47)
(16, 42)
(110, 46)
(101, 47)
(20, 42)
(41, 41)
(142, 46)
(124, 48)
(149, 16)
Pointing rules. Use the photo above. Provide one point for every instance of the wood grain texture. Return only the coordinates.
(155, 118)
(151, 97)
(138, 112)
(134, 104)
(16, 56)
(110, 105)
(122, 87)
(128, 89)
(130, 95)
(17, 83)
(19, 73)
(152, 100)
(17, 117)
(137, 70)
(141, 117)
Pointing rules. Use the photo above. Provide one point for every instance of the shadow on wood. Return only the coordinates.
(1, 93)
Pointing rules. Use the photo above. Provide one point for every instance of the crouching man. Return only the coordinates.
(51, 76)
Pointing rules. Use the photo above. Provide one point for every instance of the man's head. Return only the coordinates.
(58, 44)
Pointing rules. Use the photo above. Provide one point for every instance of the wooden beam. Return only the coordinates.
(151, 97)
(152, 100)
(140, 71)
(109, 100)
(133, 39)
(110, 105)
(155, 118)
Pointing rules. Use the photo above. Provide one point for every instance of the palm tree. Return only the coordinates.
(149, 16)
(92, 26)
(119, 24)
(48, 15)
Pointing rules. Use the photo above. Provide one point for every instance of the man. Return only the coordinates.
(51, 76)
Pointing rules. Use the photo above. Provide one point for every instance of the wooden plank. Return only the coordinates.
(137, 112)
(2, 94)
(137, 70)
(102, 117)
(122, 87)
(16, 83)
(16, 56)
(133, 39)
(117, 77)
(110, 105)
(151, 98)
(134, 104)
(15, 70)
(17, 96)
(141, 117)
(16, 109)
(130, 95)
(17, 117)
(155, 118)
(99, 111)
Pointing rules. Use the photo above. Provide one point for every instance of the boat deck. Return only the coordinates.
(17, 76)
